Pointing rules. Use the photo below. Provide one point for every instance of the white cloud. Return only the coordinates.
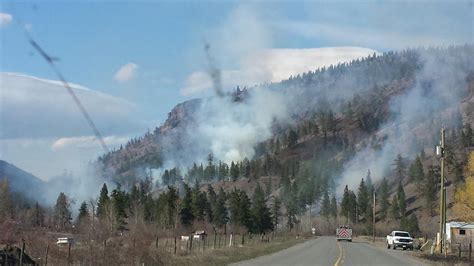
(197, 82)
(36, 108)
(274, 65)
(126, 72)
(353, 35)
(86, 142)
(5, 18)
(36, 154)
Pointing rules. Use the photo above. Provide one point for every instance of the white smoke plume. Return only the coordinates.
(419, 113)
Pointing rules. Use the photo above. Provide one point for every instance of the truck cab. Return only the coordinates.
(399, 239)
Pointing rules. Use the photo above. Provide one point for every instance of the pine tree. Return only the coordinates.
(199, 203)
(292, 138)
(291, 205)
(383, 199)
(276, 211)
(417, 174)
(261, 216)
(353, 206)
(37, 217)
(362, 200)
(212, 199)
(83, 212)
(62, 214)
(394, 210)
(325, 205)
(402, 205)
(171, 200)
(414, 227)
(234, 206)
(348, 205)
(120, 201)
(166, 178)
(368, 182)
(345, 203)
(246, 164)
(220, 211)
(245, 210)
(326, 119)
(210, 171)
(103, 201)
(186, 213)
(399, 170)
(234, 171)
(430, 189)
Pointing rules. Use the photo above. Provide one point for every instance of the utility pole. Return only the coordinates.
(373, 218)
(440, 151)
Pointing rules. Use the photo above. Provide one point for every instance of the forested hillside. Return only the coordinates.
(315, 146)
(369, 124)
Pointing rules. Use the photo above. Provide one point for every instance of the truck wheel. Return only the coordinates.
(388, 245)
(404, 248)
(394, 247)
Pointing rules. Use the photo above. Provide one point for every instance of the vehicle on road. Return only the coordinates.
(344, 233)
(399, 239)
(63, 241)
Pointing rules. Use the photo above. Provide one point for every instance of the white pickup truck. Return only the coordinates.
(400, 239)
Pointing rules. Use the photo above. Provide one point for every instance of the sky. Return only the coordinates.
(131, 62)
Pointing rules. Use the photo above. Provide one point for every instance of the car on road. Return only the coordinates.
(399, 239)
(344, 233)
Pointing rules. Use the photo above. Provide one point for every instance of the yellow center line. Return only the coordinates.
(340, 259)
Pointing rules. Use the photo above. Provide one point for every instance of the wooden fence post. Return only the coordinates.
(22, 251)
(105, 248)
(215, 240)
(156, 242)
(175, 245)
(243, 239)
(46, 256)
(470, 250)
(191, 244)
(69, 253)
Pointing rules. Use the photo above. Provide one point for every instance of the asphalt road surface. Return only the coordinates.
(327, 251)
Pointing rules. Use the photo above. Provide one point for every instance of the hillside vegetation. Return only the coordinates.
(324, 142)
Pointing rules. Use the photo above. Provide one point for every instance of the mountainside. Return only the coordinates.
(337, 131)
(362, 97)
(23, 182)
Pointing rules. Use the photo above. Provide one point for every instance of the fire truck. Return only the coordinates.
(344, 233)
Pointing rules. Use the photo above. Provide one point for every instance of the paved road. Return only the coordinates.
(327, 251)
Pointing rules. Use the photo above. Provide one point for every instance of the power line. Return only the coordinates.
(58, 73)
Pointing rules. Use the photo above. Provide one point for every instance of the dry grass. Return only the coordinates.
(136, 249)
(236, 253)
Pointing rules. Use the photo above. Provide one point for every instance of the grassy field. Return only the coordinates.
(236, 253)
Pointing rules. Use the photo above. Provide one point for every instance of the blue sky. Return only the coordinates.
(159, 47)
